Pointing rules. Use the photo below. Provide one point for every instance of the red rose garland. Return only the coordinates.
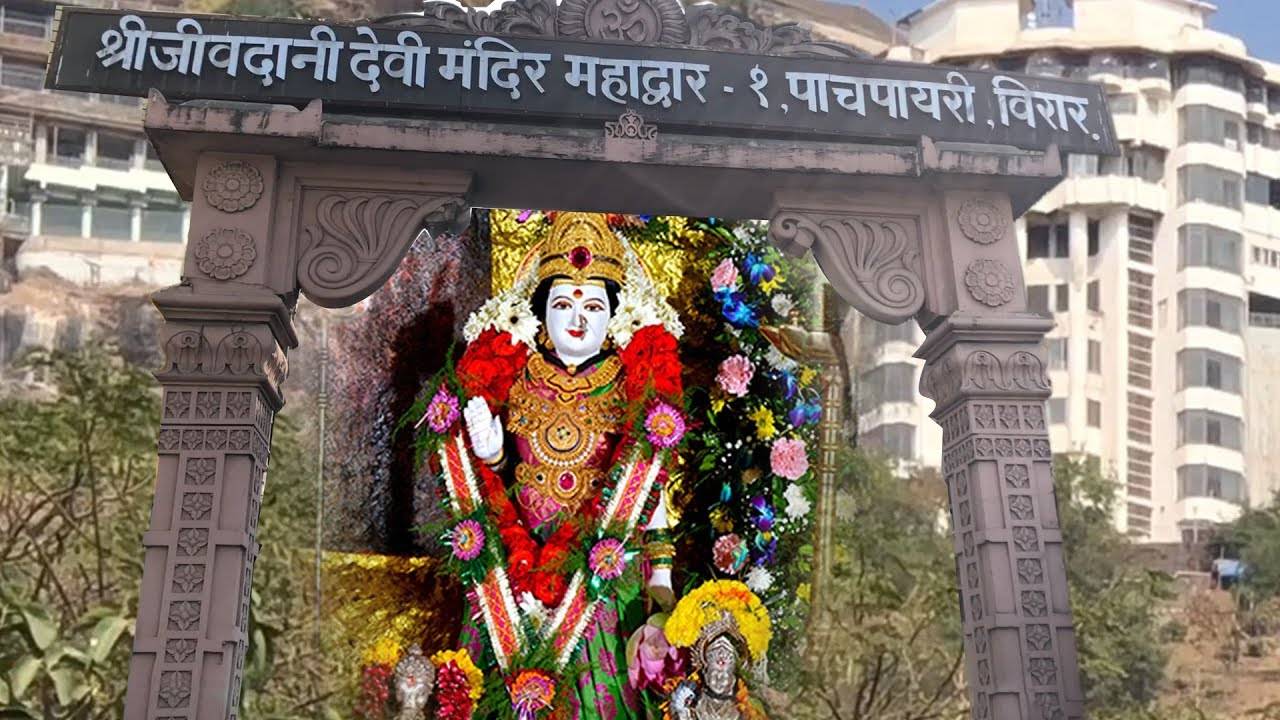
(488, 368)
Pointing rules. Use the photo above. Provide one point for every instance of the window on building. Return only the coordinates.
(1057, 352)
(1140, 308)
(115, 151)
(892, 382)
(1209, 124)
(1094, 296)
(1139, 418)
(1082, 165)
(1063, 296)
(1208, 368)
(1038, 299)
(894, 439)
(1211, 482)
(1057, 410)
(61, 218)
(68, 145)
(1208, 308)
(1123, 103)
(1046, 14)
(1095, 356)
(1255, 91)
(1095, 413)
(1139, 161)
(1257, 134)
(1202, 245)
(1209, 71)
(1048, 240)
(1142, 234)
(1206, 183)
(111, 221)
(21, 22)
(1205, 427)
(1264, 256)
(162, 225)
(1094, 237)
(21, 75)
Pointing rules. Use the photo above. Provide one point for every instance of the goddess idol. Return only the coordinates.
(552, 436)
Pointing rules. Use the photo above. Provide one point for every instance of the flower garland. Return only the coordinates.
(491, 539)
(756, 431)
(459, 684)
(708, 602)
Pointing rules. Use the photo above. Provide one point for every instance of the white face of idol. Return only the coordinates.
(577, 321)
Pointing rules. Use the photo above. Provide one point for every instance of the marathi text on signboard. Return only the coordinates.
(394, 68)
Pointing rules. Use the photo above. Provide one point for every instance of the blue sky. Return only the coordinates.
(1256, 21)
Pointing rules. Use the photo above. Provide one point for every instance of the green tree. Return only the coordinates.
(1117, 601)
(890, 649)
(77, 471)
(1256, 538)
(76, 465)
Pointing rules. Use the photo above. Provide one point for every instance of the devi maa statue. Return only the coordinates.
(552, 435)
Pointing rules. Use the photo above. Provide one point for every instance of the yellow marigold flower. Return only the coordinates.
(462, 658)
(386, 651)
(763, 418)
(708, 602)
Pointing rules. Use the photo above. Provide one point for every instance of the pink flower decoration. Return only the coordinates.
(652, 660)
(608, 558)
(442, 411)
(729, 554)
(725, 276)
(665, 425)
(467, 539)
(789, 458)
(735, 375)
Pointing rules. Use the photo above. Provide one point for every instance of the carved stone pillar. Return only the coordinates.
(951, 260)
(224, 362)
(261, 231)
(985, 371)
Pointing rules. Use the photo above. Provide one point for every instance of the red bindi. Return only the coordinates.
(577, 293)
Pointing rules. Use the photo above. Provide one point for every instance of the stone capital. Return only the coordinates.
(219, 339)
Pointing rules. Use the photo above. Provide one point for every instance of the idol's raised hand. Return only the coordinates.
(484, 429)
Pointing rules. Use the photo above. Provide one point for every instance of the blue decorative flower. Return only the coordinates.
(758, 270)
(736, 310)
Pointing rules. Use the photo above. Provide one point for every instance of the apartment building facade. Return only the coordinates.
(1161, 267)
(84, 196)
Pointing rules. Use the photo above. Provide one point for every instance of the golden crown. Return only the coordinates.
(582, 248)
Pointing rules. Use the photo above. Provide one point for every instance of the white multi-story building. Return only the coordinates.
(1161, 267)
(84, 196)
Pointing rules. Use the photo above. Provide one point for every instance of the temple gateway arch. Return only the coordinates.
(313, 154)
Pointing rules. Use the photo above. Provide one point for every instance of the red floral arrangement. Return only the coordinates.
(488, 369)
(490, 366)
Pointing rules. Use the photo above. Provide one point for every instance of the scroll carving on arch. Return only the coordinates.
(352, 242)
(640, 22)
(873, 261)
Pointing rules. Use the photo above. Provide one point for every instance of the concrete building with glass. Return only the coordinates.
(84, 196)
(1161, 266)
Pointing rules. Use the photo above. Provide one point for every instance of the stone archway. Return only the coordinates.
(325, 201)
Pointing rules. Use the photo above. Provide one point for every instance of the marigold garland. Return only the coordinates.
(705, 605)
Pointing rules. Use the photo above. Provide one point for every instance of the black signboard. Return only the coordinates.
(383, 69)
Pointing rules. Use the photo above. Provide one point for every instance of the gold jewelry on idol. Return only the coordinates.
(583, 249)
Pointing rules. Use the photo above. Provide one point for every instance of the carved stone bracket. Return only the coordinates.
(872, 260)
(351, 242)
(641, 22)
(630, 126)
